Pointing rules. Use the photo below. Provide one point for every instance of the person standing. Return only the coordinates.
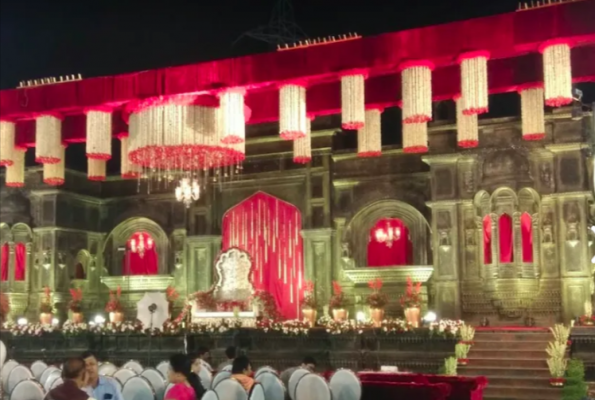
(74, 375)
(230, 353)
(99, 387)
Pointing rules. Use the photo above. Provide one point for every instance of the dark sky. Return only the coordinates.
(101, 37)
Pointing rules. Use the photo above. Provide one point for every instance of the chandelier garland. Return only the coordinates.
(7, 131)
(292, 111)
(48, 139)
(474, 81)
(369, 138)
(128, 170)
(53, 174)
(557, 74)
(467, 127)
(99, 134)
(302, 147)
(416, 87)
(532, 113)
(15, 173)
(233, 119)
(96, 169)
(415, 137)
(353, 106)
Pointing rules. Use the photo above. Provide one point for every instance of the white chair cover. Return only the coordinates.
(5, 371)
(54, 374)
(46, 374)
(57, 383)
(205, 377)
(210, 395)
(27, 390)
(3, 353)
(156, 380)
(37, 368)
(345, 385)
(272, 385)
(138, 388)
(167, 389)
(227, 368)
(230, 389)
(134, 365)
(163, 367)
(18, 374)
(312, 387)
(116, 382)
(123, 375)
(257, 392)
(107, 369)
(294, 379)
(265, 369)
(219, 377)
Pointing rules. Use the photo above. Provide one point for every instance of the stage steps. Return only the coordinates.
(514, 361)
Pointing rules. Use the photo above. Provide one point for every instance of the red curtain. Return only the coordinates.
(4, 262)
(386, 254)
(505, 238)
(79, 271)
(487, 240)
(134, 263)
(527, 237)
(268, 229)
(20, 258)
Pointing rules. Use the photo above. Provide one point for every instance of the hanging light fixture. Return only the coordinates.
(15, 173)
(53, 174)
(142, 246)
(99, 134)
(96, 169)
(467, 127)
(292, 111)
(557, 74)
(128, 170)
(48, 139)
(369, 138)
(302, 147)
(532, 113)
(187, 191)
(416, 88)
(7, 130)
(353, 101)
(388, 236)
(415, 137)
(474, 81)
(233, 120)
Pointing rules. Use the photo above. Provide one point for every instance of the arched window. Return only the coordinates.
(141, 255)
(487, 240)
(389, 244)
(79, 271)
(4, 262)
(505, 241)
(527, 237)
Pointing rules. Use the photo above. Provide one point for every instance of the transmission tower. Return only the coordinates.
(281, 28)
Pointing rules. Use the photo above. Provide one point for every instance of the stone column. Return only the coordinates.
(318, 259)
(200, 257)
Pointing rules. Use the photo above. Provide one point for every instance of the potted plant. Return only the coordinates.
(172, 295)
(467, 333)
(264, 305)
(411, 302)
(461, 352)
(309, 304)
(377, 301)
(46, 308)
(75, 305)
(450, 366)
(4, 307)
(338, 303)
(114, 306)
(557, 367)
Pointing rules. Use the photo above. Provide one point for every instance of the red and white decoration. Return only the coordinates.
(99, 135)
(389, 244)
(302, 147)
(532, 112)
(128, 170)
(96, 169)
(415, 137)
(416, 87)
(292, 111)
(232, 117)
(557, 74)
(53, 174)
(369, 138)
(7, 131)
(353, 101)
(474, 81)
(141, 256)
(15, 173)
(467, 127)
(268, 229)
(48, 139)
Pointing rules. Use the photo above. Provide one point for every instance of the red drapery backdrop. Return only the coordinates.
(269, 230)
(386, 254)
(20, 261)
(505, 238)
(487, 239)
(4, 262)
(134, 264)
(527, 237)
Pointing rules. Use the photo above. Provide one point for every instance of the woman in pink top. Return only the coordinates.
(186, 384)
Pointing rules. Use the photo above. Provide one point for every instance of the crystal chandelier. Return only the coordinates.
(388, 236)
(188, 191)
(141, 247)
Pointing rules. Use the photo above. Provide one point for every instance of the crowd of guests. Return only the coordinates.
(81, 379)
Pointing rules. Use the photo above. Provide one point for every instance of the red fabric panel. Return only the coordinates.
(505, 241)
(383, 255)
(394, 391)
(527, 237)
(487, 240)
(268, 229)
(4, 262)
(20, 261)
(134, 264)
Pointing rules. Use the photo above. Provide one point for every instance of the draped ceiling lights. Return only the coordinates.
(15, 173)
(532, 113)
(467, 126)
(292, 111)
(7, 131)
(474, 82)
(48, 139)
(557, 75)
(99, 134)
(302, 147)
(353, 105)
(369, 139)
(53, 174)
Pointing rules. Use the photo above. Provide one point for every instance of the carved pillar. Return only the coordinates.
(341, 249)
(177, 260)
(318, 257)
(200, 256)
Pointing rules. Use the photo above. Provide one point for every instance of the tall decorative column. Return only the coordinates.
(318, 258)
(200, 257)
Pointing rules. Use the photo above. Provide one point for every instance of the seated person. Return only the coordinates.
(187, 386)
(308, 363)
(204, 355)
(99, 387)
(230, 354)
(74, 375)
(241, 371)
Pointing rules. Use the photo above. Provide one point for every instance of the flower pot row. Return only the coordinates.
(78, 318)
(412, 315)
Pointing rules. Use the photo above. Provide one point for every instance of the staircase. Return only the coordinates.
(514, 361)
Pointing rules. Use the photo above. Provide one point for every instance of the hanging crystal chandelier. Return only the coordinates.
(388, 236)
(141, 247)
(188, 191)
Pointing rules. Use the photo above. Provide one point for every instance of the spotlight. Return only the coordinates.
(22, 321)
(360, 316)
(430, 317)
(55, 321)
(99, 320)
(592, 227)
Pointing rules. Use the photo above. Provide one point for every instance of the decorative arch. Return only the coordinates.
(119, 236)
(358, 229)
(81, 265)
(504, 200)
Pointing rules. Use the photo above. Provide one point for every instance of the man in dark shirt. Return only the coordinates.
(74, 375)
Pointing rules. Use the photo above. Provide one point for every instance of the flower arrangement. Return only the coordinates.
(268, 325)
(557, 367)
(309, 300)
(376, 299)
(448, 328)
(231, 305)
(556, 350)
(4, 307)
(337, 300)
(214, 327)
(119, 327)
(266, 303)
(295, 327)
(114, 305)
(561, 333)
(171, 294)
(467, 333)
(73, 329)
(75, 302)
(394, 326)
(350, 326)
(412, 296)
(46, 306)
(450, 366)
(30, 329)
(205, 300)
(461, 352)
(586, 320)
